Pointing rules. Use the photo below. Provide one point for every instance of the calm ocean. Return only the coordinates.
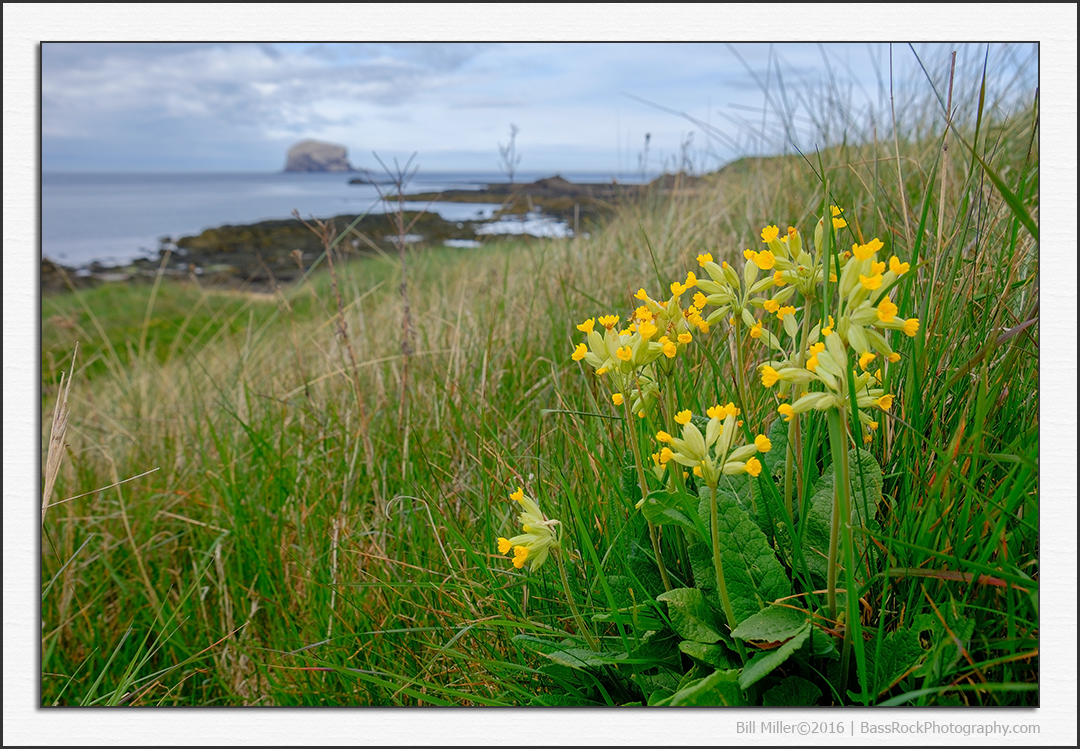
(116, 218)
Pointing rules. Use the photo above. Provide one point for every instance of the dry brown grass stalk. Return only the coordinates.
(57, 433)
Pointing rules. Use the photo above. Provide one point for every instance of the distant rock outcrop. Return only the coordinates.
(317, 156)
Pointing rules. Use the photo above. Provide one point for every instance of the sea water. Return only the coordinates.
(116, 218)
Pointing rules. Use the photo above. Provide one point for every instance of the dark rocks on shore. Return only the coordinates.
(259, 255)
(588, 202)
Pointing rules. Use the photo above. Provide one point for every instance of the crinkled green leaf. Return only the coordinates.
(566, 653)
(620, 586)
(794, 691)
(696, 673)
(778, 433)
(717, 656)
(737, 486)
(943, 653)
(865, 474)
(888, 659)
(754, 576)
(772, 624)
(720, 688)
(669, 508)
(763, 664)
(660, 697)
(642, 567)
(628, 481)
(657, 686)
(580, 658)
(691, 617)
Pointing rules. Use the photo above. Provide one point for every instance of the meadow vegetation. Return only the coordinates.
(305, 529)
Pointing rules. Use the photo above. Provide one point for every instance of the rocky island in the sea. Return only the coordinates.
(317, 156)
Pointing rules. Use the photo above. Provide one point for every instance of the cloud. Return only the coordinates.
(224, 104)
(89, 87)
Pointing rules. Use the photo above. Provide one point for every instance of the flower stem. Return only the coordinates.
(841, 522)
(740, 372)
(594, 644)
(653, 535)
(721, 581)
(794, 453)
(675, 477)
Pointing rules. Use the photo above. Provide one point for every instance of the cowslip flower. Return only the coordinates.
(870, 282)
(764, 260)
(537, 537)
(886, 310)
(710, 454)
(838, 221)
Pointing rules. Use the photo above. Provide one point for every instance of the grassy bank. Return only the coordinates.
(316, 510)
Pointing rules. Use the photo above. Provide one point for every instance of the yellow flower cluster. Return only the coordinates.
(537, 537)
(827, 363)
(708, 454)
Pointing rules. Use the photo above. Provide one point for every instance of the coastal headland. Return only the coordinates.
(268, 253)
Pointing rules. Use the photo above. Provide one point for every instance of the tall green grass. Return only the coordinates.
(261, 561)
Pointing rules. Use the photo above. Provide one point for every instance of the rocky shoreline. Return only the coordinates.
(262, 255)
(258, 256)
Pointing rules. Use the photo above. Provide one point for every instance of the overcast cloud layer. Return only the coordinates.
(238, 107)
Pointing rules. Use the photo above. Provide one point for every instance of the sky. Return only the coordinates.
(221, 106)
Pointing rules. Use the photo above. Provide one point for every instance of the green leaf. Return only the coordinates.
(580, 658)
(669, 508)
(642, 567)
(889, 658)
(658, 686)
(566, 654)
(774, 624)
(943, 652)
(628, 481)
(717, 656)
(794, 691)
(720, 688)
(763, 664)
(754, 576)
(866, 482)
(620, 586)
(737, 486)
(778, 437)
(690, 615)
